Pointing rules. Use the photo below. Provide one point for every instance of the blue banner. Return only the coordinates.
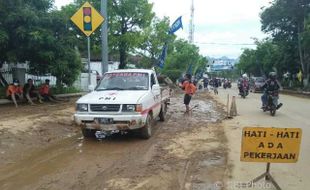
(176, 25)
(190, 69)
(163, 56)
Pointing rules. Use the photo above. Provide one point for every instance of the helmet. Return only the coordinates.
(272, 75)
(188, 76)
(244, 75)
(16, 82)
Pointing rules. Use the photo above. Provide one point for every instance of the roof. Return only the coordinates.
(132, 71)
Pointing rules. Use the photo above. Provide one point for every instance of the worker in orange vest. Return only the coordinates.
(189, 89)
(46, 93)
(14, 92)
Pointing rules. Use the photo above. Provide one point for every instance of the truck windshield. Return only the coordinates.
(124, 81)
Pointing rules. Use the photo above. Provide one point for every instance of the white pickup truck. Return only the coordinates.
(124, 100)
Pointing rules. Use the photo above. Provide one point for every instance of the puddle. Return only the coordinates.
(213, 161)
(203, 110)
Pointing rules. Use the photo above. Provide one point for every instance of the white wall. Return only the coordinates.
(82, 82)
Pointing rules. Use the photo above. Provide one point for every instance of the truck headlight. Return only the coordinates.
(82, 107)
(132, 107)
(129, 107)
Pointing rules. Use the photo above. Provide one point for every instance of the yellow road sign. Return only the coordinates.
(87, 19)
(274, 145)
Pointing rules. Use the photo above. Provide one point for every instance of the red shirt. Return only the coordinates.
(44, 89)
(189, 88)
(12, 89)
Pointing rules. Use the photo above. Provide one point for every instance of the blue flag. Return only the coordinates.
(163, 56)
(190, 69)
(176, 25)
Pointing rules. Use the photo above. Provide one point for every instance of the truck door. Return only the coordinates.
(155, 88)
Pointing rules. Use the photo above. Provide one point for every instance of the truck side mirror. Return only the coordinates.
(153, 82)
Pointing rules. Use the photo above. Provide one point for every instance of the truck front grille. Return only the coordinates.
(105, 107)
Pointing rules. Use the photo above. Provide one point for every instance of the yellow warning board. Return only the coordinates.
(87, 19)
(274, 145)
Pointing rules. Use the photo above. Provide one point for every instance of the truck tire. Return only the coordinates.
(89, 133)
(163, 111)
(146, 130)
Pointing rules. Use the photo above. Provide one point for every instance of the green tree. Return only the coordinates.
(267, 57)
(285, 21)
(127, 19)
(154, 38)
(248, 62)
(20, 23)
(33, 31)
(181, 55)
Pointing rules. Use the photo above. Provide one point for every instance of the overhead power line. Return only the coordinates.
(226, 44)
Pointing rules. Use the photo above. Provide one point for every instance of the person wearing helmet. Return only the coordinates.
(243, 82)
(271, 85)
(14, 92)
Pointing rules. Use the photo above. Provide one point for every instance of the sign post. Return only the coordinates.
(270, 145)
(104, 37)
(87, 19)
(88, 60)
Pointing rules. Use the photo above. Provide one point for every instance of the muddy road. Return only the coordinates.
(293, 114)
(41, 148)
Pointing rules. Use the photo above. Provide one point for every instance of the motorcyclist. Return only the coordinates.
(273, 86)
(243, 83)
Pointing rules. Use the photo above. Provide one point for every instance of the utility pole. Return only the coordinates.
(191, 24)
(104, 37)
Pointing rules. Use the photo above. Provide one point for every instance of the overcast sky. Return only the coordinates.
(217, 22)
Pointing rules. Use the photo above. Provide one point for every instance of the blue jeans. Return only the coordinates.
(264, 99)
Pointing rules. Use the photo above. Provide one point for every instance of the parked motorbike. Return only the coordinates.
(272, 103)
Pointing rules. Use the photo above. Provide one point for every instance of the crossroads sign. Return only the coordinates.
(87, 19)
(271, 145)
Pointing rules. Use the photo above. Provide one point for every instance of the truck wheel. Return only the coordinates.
(89, 133)
(163, 111)
(146, 131)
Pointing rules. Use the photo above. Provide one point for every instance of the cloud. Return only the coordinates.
(60, 3)
(220, 21)
(216, 21)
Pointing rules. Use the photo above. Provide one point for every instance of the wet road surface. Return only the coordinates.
(293, 114)
(186, 151)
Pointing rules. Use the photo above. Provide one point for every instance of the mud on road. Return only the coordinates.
(41, 148)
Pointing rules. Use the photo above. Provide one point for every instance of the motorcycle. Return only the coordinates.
(229, 84)
(272, 103)
(225, 85)
(244, 91)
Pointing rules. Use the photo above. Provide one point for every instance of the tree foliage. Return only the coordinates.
(154, 38)
(127, 19)
(33, 31)
(182, 56)
(286, 20)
